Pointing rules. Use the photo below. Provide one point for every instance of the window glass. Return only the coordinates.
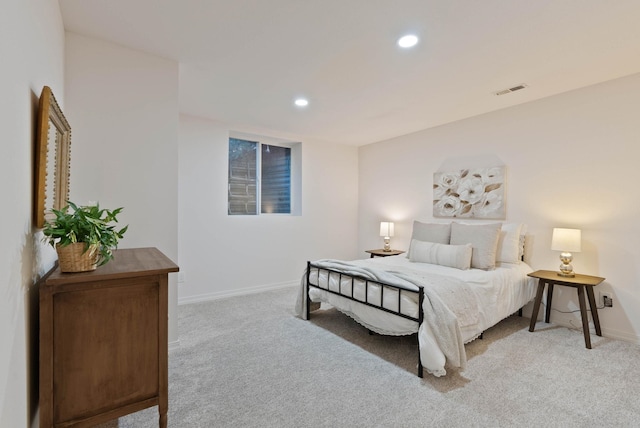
(243, 184)
(275, 190)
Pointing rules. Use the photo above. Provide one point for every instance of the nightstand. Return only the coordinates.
(580, 282)
(383, 253)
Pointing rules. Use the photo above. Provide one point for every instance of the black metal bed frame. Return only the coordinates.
(366, 301)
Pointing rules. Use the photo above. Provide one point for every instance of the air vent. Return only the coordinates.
(509, 90)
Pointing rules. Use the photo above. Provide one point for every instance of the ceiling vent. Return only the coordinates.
(509, 90)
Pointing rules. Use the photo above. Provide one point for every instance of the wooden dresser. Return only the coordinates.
(103, 340)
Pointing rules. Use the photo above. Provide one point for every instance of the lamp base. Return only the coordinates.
(566, 269)
(567, 275)
(387, 245)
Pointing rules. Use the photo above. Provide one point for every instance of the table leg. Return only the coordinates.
(547, 312)
(583, 313)
(536, 305)
(594, 310)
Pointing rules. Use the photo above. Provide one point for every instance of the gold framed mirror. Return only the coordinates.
(52, 158)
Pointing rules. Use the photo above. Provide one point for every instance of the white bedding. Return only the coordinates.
(476, 299)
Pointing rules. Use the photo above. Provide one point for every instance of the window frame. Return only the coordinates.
(295, 176)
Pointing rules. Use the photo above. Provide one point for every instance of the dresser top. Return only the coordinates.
(127, 263)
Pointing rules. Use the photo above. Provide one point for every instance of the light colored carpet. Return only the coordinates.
(248, 362)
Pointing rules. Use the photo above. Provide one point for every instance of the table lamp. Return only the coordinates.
(386, 231)
(567, 241)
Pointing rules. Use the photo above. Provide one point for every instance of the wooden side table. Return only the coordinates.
(580, 282)
(382, 253)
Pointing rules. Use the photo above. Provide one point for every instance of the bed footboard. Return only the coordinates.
(366, 292)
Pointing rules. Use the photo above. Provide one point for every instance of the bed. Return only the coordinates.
(456, 281)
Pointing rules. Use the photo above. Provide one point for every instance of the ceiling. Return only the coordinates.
(243, 62)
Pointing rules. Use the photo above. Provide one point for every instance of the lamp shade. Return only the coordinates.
(386, 228)
(568, 240)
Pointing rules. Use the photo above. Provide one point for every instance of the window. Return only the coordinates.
(276, 180)
(260, 175)
(243, 180)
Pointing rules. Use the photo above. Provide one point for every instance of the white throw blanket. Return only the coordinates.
(448, 303)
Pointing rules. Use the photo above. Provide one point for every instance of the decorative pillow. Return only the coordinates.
(484, 240)
(455, 256)
(509, 243)
(430, 232)
(523, 242)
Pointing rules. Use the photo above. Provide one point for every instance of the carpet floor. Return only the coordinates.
(249, 362)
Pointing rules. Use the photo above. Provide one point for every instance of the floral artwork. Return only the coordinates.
(470, 193)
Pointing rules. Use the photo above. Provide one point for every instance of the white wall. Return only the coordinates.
(222, 255)
(571, 162)
(32, 52)
(122, 105)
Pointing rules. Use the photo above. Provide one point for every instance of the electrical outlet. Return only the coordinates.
(606, 299)
(608, 302)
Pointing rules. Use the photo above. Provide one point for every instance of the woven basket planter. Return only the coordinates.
(74, 258)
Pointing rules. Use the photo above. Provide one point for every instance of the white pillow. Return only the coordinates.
(455, 256)
(484, 240)
(430, 232)
(523, 242)
(509, 243)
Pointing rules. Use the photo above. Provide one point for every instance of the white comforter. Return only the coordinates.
(458, 306)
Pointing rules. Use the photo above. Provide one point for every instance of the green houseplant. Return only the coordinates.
(83, 236)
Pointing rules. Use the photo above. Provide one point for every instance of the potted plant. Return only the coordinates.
(83, 238)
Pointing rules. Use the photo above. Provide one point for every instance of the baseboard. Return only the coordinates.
(233, 293)
(574, 321)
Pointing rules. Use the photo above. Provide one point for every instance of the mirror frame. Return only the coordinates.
(49, 113)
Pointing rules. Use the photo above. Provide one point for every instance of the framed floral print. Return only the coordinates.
(470, 193)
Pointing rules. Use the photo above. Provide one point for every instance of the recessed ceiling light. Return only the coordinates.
(407, 41)
(301, 102)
